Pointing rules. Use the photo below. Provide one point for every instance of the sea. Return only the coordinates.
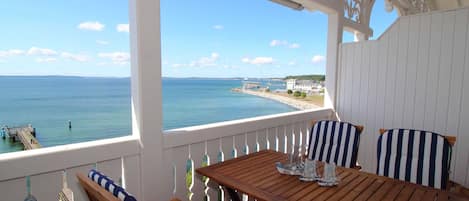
(100, 108)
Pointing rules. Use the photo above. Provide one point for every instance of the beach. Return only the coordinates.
(298, 104)
(100, 108)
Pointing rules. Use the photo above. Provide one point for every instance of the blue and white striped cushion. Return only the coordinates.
(334, 142)
(110, 186)
(415, 156)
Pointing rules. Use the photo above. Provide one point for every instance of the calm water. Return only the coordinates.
(100, 107)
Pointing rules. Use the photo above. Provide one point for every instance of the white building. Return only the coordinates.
(303, 85)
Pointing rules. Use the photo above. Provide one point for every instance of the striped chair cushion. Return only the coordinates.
(334, 142)
(110, 186)
(415, 156)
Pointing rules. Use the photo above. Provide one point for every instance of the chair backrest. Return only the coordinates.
(415, 156)
(334, 142)
(102, 188)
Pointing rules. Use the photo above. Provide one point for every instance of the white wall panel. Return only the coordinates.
(414, 76)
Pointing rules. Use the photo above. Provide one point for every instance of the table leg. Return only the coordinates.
(233, 194)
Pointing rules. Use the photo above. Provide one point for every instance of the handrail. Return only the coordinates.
(18, 164)
(196, 134)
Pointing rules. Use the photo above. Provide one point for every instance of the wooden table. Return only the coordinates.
(256, 176)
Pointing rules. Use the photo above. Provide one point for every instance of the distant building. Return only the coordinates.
(251, 85)
(304, 85)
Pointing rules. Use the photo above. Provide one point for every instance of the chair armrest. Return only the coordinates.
(94, 191)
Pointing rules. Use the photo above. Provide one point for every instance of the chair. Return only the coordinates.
(93, 186)
(334, 142)
(99, 187)
(415, 156)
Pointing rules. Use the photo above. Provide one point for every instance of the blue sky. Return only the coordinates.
(200, 38)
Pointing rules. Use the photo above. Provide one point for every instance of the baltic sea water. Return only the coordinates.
(100, 107)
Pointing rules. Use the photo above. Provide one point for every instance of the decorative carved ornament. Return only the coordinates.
(408, 7)
(352, 10)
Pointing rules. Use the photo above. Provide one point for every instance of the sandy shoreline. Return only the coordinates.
(301, 105)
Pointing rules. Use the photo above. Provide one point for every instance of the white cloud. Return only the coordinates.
(294, 45)
(258, 60)
(12, 52)
(120, 58)
(75, 57)
(91, 26)
(41, 51)
(206, 61)
(178, 65)
(46, 60)
(274, 43)
(122, 28)
(102, 42)
(318, 59)
(218, 27)
(292, 63)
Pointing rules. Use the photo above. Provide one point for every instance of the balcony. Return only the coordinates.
(412, 76)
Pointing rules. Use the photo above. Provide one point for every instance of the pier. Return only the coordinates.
(25, 134)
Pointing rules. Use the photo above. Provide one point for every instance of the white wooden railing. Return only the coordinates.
(189, 148)
(184, 150)
(118, 158)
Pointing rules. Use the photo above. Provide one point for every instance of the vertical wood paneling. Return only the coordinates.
(370, 126)
(411, 72)
(382, 72)
(355, 81)
(422, 65)
(414, 76)
(363, 96)
(340, 80)
(459, 48)
(401, 75)
(391, 77)
(463, 152)
(436, 31)
(347, 86)
(444, 72)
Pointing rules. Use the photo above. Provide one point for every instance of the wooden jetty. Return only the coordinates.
(25, 134)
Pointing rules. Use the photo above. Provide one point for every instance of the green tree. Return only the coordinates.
(303, 95)
(289, 91)
(297, 94)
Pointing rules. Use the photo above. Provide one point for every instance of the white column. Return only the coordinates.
(146, 97)
(334, 38)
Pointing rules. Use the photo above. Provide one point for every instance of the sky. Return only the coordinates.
(200, 38)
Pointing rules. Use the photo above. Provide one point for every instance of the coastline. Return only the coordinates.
(298, 104)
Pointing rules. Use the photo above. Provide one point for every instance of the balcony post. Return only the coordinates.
(334, 38)
(145, 47)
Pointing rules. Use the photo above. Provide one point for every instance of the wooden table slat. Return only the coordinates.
(256, 176)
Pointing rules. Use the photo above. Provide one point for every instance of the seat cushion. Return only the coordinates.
(108, 184)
